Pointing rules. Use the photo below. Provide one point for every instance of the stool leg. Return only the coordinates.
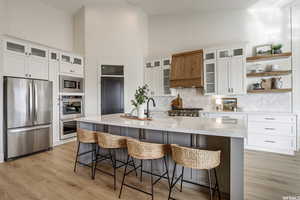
(217, 184)
(93, 160)
(167, 169)
(151, 166)
(170, 190)
(182, 173)
(113, 159)
(141, 177)
(135, 169)
(210, 185)
(96, 159)
(76, 159)
(115, 166)
(124, 175)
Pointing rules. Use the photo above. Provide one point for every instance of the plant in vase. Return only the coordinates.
(276, 49)
(140, 98)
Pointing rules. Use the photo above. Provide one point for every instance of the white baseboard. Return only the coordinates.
(61, 142)
(1, 157)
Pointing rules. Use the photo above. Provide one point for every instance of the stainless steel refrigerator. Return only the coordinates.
(27, 116)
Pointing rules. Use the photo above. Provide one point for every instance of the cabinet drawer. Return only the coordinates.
(271, 129)
(229, 115)
(271, 142)
(272, 118)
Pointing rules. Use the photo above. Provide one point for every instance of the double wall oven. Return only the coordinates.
(71, 105)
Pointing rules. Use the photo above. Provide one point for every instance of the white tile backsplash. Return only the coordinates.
(193, 98)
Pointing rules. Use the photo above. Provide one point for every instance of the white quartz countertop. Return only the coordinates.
(202, 126)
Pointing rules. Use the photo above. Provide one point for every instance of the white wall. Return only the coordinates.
(35, 21)
(296, 55)
(115, 35)
(172, 33)
(2, 16)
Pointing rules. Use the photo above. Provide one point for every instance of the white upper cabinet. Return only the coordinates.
(224, 71)
(71, 65)
(223, 77)
(157, 77)
(25, 60)
(38, 67)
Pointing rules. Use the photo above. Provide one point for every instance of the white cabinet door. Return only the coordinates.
(210, 77)
(14, 64)
(72, 65)
(38, 63)
(38, 68)
(78, 65)
(237, 76)
(223, 54)
(14, 58)
(222, 72)
(210, 55)
(66, 64)
(15, 47)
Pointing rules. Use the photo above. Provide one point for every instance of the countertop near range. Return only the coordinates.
(203, 126)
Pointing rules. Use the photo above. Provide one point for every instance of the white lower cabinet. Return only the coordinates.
(272, 133)
(266, 132)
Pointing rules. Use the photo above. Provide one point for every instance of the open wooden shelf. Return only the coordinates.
(271, 91)
(269, 57)
(274, 73)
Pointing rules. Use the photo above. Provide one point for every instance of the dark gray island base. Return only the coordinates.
(231, 170)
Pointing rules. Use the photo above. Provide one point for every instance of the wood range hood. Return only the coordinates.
(187, 70)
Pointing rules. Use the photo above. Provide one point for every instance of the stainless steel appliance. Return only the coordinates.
(71, 107)
(68, 129)
(112, 89)
(69, 84)
(27, 116)
(187, 112)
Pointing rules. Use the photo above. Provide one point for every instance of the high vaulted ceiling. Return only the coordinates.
(160, 7)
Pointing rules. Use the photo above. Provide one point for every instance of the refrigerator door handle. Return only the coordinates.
(35, 102)
(17, 130)
(30, 96)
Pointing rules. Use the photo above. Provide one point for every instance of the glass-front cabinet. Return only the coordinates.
(25, 60)
(210, 78)
(157, 76)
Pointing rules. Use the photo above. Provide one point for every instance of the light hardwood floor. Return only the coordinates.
(50, 176)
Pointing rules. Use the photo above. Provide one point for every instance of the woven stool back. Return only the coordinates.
(86, 136)
(146, 151)
(109, 141)
(195, 158)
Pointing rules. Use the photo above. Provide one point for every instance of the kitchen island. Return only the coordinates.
(226, 135)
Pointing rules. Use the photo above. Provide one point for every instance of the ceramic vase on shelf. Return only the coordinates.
(141, 111)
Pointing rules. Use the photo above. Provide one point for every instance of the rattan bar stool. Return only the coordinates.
(195, 159)
(111, 143)
(86, 137)
(146, 151)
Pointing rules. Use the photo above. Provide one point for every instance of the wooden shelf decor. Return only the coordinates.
(283, 90)
(269, 57)
(273, 73)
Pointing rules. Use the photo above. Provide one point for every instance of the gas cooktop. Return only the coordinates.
(187, 112)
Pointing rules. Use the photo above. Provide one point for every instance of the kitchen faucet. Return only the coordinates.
(154, 105)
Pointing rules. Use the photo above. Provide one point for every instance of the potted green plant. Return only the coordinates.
(276, 49)
(140, 98)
